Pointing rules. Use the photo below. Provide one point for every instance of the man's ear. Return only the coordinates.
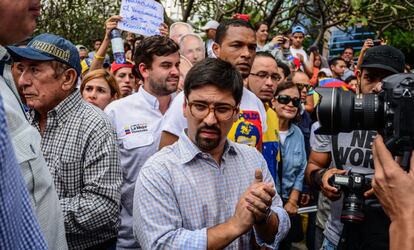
(236, 114)
(216, 49)
(70, 78)
(143, 70)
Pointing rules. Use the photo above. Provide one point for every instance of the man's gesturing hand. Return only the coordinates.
(259, 196)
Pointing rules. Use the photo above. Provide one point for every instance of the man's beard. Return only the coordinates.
(207, 144)
(161, 87)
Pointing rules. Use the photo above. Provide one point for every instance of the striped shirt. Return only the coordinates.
(181, 192)
(80, 149)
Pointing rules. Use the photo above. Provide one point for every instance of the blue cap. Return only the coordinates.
(298, 29)
(49, 47)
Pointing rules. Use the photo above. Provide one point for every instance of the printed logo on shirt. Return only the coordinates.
(247, 129)
(358, 153)
(136, 128)
(127, 131)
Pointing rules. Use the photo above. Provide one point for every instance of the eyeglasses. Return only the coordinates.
(285, 99)
(304, 85)
(264, 75)
(223, 112)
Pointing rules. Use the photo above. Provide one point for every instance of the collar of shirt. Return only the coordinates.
(189, 150)
(63, 109)
(290, 130)
(150, 99)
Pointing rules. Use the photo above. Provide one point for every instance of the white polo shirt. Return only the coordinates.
(248, 129)
(137, 121)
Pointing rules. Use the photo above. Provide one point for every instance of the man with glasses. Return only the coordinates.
(205, 191)
(262, 81)
(306, 94)
(235, 43)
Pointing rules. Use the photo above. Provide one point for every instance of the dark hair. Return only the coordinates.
(224, 26)
(97, 39)
(127, 46)
(334, 61)
(258, 24)
(284, 66)
(216, 72)
(288, 84)
(265, 54)
(153, 45)
(348, 47)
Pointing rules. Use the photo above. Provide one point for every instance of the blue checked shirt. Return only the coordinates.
(19, 228)
(181, 192)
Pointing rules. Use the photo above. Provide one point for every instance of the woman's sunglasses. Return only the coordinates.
(304, 85)
(285, 99)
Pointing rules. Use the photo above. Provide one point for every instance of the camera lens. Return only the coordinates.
(352, 210)
(343, 111)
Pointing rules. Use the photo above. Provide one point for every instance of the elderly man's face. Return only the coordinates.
(18, 19)
(41, 87)
(192, 49)
(209, 132)
(178, 31)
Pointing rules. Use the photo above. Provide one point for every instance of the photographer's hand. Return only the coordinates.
(329, 191)
(394, 188)
(392, 185)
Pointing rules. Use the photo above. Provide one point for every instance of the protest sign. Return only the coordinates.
(141, 17)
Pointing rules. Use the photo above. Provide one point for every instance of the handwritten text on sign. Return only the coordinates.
(141, 17)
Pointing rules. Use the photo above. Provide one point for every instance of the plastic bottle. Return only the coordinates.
(117, 46)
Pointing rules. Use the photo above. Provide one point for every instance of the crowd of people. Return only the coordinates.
(190, 144)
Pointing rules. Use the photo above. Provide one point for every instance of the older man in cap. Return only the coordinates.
(78, 141)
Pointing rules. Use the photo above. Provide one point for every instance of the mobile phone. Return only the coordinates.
(377, 42)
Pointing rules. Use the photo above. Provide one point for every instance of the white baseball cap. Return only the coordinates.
(212, 24)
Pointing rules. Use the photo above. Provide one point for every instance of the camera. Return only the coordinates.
(353, 186)
(391, 113)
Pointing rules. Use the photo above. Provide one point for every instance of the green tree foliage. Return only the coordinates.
(80, 21)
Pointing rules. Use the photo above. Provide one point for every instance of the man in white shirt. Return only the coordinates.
(236, 44)
(210, 28)
(297, 38)
(137, 120)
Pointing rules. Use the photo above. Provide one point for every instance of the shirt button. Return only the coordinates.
(205, 156)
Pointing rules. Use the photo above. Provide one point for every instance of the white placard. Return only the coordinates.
(141, 17)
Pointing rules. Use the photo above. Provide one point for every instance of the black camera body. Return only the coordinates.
(353, 186)
(391, 113)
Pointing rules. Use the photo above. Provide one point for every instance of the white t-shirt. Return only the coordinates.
(294, 51)
(248, 129)
(283, 135)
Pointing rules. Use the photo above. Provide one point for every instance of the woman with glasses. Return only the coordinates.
(291, 168)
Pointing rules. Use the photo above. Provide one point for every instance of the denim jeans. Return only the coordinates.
(327, 245)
